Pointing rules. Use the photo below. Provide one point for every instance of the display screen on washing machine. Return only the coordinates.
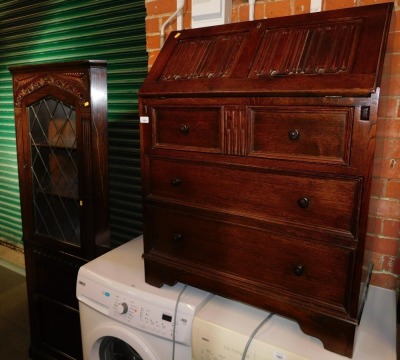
(167, 317)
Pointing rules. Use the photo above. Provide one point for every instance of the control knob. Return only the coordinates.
(122, 308)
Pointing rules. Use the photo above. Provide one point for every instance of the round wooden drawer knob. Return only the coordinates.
(184, 129)
(176, 182)
(177, 237)
(294, 134)
(303, 202)
(298, 270)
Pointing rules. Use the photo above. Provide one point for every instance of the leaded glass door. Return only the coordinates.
(54, 166)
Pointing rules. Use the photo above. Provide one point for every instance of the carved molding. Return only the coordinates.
(75, 83)
(309, 50)
(235, 131)
(213, 57)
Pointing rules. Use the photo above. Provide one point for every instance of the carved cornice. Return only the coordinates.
(75, 83)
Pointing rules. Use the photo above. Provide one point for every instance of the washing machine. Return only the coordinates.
(230, 330)
(124, 318)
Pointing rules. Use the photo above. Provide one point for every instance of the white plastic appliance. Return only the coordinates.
(222, 328)
(122, 317)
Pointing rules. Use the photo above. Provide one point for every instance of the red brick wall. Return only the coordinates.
(384, 213)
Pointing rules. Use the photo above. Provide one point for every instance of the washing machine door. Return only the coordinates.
(112, 342)
(112, 348)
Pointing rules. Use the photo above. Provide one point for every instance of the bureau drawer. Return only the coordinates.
(329, 204)
(318, 134)
(187, 128)
(313, 270)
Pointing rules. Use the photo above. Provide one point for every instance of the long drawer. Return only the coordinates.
(317, 271)
(330, 204)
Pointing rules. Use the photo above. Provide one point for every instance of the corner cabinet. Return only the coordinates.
(257, 150)
(61, 130)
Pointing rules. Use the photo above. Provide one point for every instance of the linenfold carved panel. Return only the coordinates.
(318, 49)
(212, 57)
(235, 128)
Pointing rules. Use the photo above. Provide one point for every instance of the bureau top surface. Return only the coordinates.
(336, 52)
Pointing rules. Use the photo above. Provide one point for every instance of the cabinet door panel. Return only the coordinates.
(60, 333)
(54, 166)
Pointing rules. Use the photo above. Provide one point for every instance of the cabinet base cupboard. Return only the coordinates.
(61, 129)
(257, 150)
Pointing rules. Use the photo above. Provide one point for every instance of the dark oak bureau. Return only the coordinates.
(257, 144)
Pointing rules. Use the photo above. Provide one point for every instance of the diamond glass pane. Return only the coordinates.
(52, 131)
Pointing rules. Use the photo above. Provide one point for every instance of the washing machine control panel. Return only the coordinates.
(150, 318)
(146, 310)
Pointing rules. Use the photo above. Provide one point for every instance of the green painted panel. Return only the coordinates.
(58, 30)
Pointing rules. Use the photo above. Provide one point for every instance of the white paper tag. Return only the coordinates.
(144, 119)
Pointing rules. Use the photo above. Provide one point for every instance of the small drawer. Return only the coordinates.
(188, 128)
(309, 202)
(290, 265)
(316, 134)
